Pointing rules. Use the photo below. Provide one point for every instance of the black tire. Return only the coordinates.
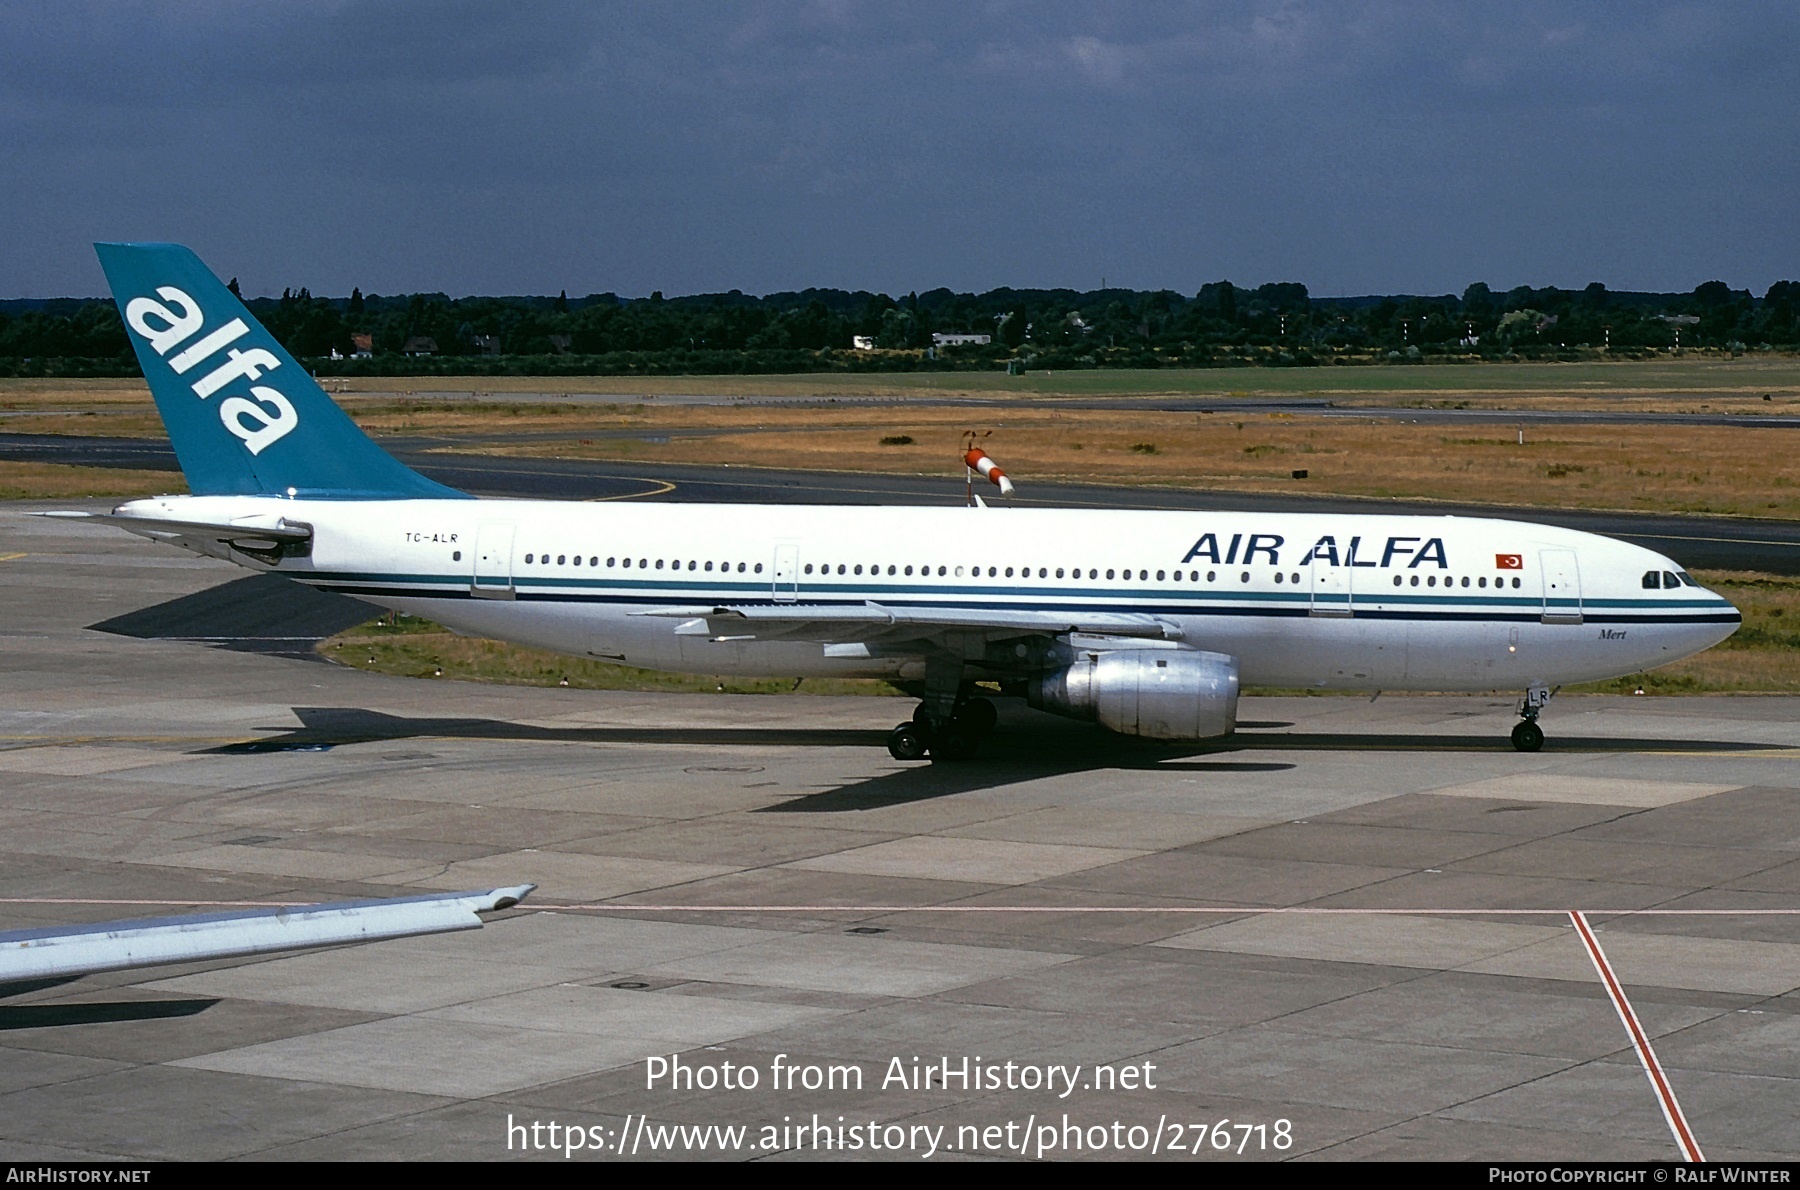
(977, 716)
(953, 744)
(906, 742)
(1528, 737)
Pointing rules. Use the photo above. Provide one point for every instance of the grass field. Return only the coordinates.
(1723, 470)
(1763, 656)
(1666, 468)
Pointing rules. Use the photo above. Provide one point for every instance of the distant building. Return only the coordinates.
(487, 344)
(362, 346)
(940, 340)
(863, 342)
(420, 345)
(561, 344)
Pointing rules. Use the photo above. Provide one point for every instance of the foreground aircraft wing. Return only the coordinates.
(843, 623)
(148, 942)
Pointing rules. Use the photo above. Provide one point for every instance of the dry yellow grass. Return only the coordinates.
(52, 481)
(1725, 470)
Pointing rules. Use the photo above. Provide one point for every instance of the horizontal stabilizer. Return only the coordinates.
(149, 942)
(262, 527)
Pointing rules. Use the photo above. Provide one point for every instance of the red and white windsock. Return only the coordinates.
(978, 460)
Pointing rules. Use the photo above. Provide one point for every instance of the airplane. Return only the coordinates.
(1145, 622)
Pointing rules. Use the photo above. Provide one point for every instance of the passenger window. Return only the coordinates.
(1210, 575)
(1280, 577)
(1109, 574)
(457, 556)
(659, 563)
(527, 559)
(1515, 582)
(593, 561)
(758, 567)
(1246, 577)
(1482, 581)
(577, 559)
(941, 572)
(890, 569)
(809, 568)
(1415, 580)
(561, 559)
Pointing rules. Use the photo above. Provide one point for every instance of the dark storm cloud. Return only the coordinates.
(538, 146)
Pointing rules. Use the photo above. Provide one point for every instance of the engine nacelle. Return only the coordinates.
(1161, 694)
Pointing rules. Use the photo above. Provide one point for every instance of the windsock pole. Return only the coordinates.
(978, 461)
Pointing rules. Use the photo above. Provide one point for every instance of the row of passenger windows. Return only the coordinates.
(874, 569)
(1450, 581)
(643, 563)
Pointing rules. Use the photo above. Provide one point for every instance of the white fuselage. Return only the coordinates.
(1329, 601)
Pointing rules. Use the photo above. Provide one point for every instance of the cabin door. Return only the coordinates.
(786, 583)
(493, 563)
(1562, 586)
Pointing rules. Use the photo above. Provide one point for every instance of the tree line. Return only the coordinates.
(820, 329)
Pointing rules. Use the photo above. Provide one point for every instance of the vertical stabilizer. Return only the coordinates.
(243, 416)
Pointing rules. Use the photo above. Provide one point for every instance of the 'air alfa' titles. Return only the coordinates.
(1244, 549)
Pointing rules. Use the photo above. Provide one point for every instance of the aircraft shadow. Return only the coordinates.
(330, 727)
(51, 1016)
(259, 613)
(1023, 749)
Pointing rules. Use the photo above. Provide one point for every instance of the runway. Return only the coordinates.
(1722, 543)
(1345, 931)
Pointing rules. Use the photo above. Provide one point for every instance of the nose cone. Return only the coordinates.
(1729, 619)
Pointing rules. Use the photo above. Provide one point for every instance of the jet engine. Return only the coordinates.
(1161, 694)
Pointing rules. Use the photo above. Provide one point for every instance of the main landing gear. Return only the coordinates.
(954, 738)
(1527, 736)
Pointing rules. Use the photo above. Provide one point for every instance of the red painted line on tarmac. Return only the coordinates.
(1640, 1041)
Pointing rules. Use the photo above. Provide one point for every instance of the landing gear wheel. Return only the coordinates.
(953, 743)
(977, 716)
(906, 742)
(1528, 737)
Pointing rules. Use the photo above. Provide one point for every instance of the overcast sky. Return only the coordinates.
(534, 146)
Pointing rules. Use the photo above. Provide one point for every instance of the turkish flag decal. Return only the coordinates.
(1509, 562)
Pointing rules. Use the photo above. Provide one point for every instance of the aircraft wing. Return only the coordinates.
(148, 942)
(844, 623)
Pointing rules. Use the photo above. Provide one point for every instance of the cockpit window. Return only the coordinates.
(1652, 580)
(1686, 579)
(1670, 582)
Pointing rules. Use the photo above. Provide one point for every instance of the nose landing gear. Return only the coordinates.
(1527, 736)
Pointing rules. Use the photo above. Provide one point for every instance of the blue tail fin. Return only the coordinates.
(244, 418)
